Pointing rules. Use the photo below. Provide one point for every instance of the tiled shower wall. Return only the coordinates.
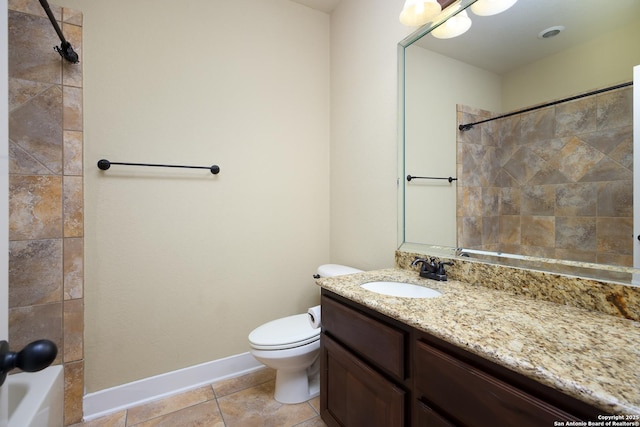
(555, 182)
(46, 223)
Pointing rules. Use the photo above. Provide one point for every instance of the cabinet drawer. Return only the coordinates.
(374, 341)
(475, 398)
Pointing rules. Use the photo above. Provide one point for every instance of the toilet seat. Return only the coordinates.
(287, 332)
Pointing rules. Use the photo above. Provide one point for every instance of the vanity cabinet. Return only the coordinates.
(376, 371)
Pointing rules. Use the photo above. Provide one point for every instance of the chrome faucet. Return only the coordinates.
(431, 268)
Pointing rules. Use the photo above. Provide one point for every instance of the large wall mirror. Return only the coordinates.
(550, 186)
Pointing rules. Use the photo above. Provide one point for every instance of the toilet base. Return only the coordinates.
(297, 386)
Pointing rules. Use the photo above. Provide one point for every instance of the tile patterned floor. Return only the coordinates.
(245, 401)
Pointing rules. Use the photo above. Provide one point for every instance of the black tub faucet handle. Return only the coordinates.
(34, 357)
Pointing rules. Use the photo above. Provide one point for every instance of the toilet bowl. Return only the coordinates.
(291, 346)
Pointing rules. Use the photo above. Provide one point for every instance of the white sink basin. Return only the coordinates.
(401, 289)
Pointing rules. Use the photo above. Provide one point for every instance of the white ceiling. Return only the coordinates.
(508, 40)
(321, 5)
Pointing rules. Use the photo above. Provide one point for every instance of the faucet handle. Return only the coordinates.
(441, 265)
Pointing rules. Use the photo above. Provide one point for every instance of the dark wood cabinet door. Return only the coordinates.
(355, 395)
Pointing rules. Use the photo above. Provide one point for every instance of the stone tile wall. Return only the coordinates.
(46, 226)
(555, 182)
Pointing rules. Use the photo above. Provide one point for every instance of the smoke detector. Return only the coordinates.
(550, 32)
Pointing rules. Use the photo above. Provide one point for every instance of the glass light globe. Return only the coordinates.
(453, 27)
(418, 12)
(491, 7)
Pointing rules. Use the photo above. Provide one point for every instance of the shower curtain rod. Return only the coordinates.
(65, 50)
(469, 126)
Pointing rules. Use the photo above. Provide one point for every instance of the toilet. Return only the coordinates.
(291, 346)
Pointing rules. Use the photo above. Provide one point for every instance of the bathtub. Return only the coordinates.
(36, 399)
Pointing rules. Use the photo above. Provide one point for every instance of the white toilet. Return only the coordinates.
(291, 346)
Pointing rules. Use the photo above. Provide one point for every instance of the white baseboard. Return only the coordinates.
(132, 394)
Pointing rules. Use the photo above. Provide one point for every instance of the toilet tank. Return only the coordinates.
(332, 270)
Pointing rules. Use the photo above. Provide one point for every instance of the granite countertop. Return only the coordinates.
(589, 355)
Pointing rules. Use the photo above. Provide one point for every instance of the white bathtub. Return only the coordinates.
(36, 399)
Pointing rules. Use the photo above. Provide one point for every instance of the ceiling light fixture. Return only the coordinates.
(491, 7)
(453, 27)
(418, 12)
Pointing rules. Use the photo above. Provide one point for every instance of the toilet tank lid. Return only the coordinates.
(331, 270)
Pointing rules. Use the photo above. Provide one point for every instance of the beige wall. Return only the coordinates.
(182, 265)
(364, 38)
(601, 62)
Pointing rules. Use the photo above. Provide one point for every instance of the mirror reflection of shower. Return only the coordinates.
(554, 181)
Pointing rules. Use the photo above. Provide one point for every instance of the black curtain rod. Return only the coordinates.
(65, 50)
(469, 126)
(106, 164)
(450, 179)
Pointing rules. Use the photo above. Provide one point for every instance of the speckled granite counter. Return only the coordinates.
(592, 356)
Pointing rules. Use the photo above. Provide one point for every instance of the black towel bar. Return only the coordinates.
(104, 164)
(450, 179)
